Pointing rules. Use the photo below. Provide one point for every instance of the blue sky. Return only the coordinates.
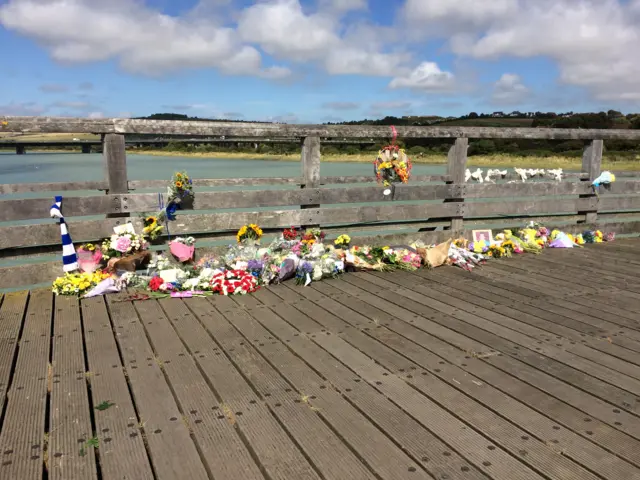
(317, 60)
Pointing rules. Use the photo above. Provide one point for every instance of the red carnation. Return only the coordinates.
(155, 284)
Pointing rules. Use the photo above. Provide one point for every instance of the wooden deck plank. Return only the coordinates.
(122, 450)
(595, 360)
(11, 317)
(558, 411)
(557, 326)
(445, 391)
(485, 331)
(71, 455)
(530, 371)
(22, 440)
(403, 429)
(602, 324)
(172, 451)
(375, 449)
(240, 405)
(221, 448)
(487, 320)
(476, 448)
(564, 295)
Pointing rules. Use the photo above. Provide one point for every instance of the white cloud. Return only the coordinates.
(95, 115)
(595, 43)
(446, 17)
(341, 105)
(509, 90)
(23, 109)
(53, 88)
(144, 40)
(391, 105)
(425, 77)
(282, 29)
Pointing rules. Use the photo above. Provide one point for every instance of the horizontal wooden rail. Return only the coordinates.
(270, 130)
(37, 208)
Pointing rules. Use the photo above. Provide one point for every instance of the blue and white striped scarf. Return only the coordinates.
(69, 257)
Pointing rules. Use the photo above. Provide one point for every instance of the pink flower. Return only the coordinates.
(123, 244)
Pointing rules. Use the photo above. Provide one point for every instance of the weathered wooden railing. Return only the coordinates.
(430, 207)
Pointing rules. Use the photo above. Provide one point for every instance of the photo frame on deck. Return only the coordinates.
(482, 235)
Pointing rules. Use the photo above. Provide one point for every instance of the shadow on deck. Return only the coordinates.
(527, 368)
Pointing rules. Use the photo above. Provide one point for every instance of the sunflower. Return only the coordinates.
(178, 184)
(151, 221)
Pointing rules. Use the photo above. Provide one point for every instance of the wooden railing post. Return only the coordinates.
(592, 165)
(456, 168)
(310, 168)
(115, 163)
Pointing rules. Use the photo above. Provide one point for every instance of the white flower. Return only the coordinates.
(317, 272)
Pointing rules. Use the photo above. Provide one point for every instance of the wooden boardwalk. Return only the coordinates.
(528, 368)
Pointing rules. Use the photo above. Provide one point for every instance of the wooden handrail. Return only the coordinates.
(270, 130)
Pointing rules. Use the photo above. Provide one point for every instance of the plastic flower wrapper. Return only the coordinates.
(463, 258)
(562, 240)
(211, 262)
(579, 239)
(240, 253)
(108, 285)
(609, 237)
(288, 268)
(159, 262)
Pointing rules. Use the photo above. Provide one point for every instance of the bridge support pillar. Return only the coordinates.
(86, 148)
(20, 150)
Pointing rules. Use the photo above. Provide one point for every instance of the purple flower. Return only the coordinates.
(255, 266)
(306, 267)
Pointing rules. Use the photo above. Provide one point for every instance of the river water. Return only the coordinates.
(77, 167)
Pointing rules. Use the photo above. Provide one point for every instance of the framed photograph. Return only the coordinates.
(482, 236)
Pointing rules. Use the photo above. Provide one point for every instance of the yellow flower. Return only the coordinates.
(178, 184)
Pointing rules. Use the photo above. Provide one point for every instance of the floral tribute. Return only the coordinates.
(392, 166)
(89, 257)
(122, 244)
(303, 256)
(152, 228)
(249, 233)
(183, 248)
(78, 283)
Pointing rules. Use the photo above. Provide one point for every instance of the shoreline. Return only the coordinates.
(485, 161)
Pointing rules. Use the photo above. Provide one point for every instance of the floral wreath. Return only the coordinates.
(392, 165)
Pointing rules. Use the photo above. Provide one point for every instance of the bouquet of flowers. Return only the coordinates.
(392, 166)
(249, 234)
(152, 228)
(77, 283)
(343, 242)
(123, 244)
(304, 273)
(312, 235)
(402, 258)
(290, 234)
(183, 248)
(89, 257)
(181, 190)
